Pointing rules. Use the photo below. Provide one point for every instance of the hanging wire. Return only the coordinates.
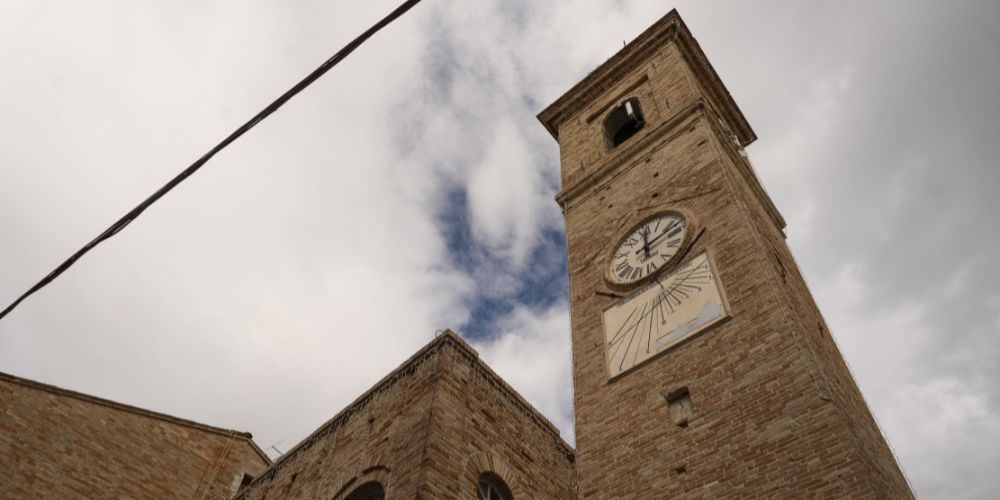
(267, 111)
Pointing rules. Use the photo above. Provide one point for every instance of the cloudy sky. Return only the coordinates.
(410, 190)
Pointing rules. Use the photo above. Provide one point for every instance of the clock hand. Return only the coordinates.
(664, 233)
(645, 240)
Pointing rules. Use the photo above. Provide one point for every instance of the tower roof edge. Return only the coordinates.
(669, 27)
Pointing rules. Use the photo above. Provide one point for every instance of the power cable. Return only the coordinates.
(271, 108)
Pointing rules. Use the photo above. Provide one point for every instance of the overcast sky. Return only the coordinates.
(411, 190)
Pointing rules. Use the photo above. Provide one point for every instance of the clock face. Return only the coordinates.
(669, 309)
(647, 249)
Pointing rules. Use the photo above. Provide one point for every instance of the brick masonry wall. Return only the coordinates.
(59, 444)
(428, 430)
(379, 437)
(663, 87)
(776, 412)
(803, 318)
(482, 425)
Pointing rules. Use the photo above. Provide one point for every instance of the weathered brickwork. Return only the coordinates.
(481, 424)
(804, 319)
(428, 430)
(56, 443)
(771, 408)
(775, 409)
(378, 437)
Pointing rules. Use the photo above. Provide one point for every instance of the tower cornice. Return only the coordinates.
(670, 28)
(662, 134)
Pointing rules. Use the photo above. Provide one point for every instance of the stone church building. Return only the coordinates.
(701, 365)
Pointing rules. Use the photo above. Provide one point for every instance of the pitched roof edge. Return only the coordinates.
(447, 337)
(510, 391)
(336, 419)
(131, 409)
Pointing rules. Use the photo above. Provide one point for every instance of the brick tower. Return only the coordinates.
(702, 367)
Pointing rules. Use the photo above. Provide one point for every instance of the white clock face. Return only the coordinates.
(673, 307)
(648, 248)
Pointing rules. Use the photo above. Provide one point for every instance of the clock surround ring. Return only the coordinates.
(689, 230)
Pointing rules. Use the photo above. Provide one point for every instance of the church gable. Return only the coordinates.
(434, 427)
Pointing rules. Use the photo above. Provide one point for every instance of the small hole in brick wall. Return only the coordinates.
(656, 174)
(247, 479)
(611, 205)
(703, 141)
(602, 198)
(681, 470)
(655, 195)
(679, 405)
(648, 160)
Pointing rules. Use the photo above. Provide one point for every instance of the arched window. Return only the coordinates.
(623, 121)
(369, 491)
(491, 487)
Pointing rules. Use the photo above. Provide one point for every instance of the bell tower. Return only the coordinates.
(702, 366)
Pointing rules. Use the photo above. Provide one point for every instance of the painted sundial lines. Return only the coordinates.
(630, 332)
(647, 313)
(658, 301)
(661, 314)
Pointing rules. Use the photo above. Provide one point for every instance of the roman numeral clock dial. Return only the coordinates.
(647, 249)
(671, 305)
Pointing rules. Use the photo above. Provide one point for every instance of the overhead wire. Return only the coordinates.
(260, 116)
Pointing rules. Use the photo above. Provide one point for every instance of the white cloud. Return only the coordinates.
(945, 433)
(313, 256)
(881, 349)
(794, 153)
(532, 353)
(941, 426)
(506, 197)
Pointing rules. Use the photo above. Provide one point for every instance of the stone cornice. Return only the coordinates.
(745, 169)
(669, 28)
(658, 136)
(568, 195)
